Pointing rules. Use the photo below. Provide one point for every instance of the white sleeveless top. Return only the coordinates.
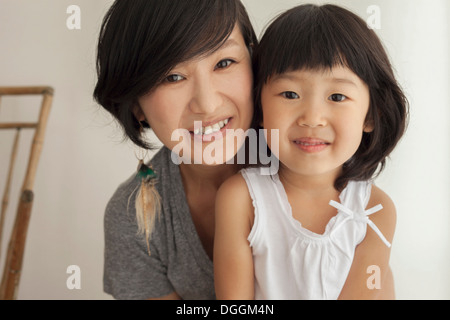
(291, 262)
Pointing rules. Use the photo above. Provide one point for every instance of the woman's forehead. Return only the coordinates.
(234, 42)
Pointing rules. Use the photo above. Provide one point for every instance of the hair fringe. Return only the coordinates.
(327, 36)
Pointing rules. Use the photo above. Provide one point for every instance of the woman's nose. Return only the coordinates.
(206, 97)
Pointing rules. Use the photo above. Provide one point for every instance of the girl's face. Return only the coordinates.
(320, 115)
(215, 89)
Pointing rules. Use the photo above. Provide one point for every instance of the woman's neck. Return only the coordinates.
(199, 177)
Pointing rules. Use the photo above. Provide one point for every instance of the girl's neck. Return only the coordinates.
(312, 185)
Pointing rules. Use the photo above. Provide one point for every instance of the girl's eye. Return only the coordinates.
(337, 97)
(290, 95)
(174, 78)
(224, 64)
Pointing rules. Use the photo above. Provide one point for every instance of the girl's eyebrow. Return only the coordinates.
(285, 76)
(293, 77)
(343, 80)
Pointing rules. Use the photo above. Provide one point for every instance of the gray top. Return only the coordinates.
(177, 262)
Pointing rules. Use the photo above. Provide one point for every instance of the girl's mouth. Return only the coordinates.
(311, 145)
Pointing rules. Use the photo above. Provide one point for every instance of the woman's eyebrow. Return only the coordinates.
(229, 43)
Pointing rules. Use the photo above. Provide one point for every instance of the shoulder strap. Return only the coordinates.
(361, 217)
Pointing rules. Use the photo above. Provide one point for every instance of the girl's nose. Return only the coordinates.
(312, 115)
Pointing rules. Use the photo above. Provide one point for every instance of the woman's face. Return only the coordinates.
(215, 90)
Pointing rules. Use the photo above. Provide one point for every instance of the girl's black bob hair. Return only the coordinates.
(142, 40)
(312, 37)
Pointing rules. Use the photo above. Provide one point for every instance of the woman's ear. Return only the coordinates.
(137, 112)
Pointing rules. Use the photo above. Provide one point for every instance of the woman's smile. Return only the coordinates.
(206, 131)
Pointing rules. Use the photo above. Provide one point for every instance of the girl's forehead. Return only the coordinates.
(338, 74)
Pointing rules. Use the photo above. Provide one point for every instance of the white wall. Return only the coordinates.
(83, 159)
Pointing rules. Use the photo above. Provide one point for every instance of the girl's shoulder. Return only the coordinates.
(378, 196)
(234, 187)
(386, 218)
(237, 186)
(233, 199)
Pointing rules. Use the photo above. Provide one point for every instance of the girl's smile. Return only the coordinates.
(320, 115)
(311, 145)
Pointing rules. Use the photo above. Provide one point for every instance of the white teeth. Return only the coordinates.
(216, 127)
(208, 130)
(211, 129)
(310, 144)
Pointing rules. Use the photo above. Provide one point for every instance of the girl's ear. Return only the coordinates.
(368, 126)
(251, 49)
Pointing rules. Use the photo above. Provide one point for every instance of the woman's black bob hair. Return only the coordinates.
(311, 37)
(142, 40)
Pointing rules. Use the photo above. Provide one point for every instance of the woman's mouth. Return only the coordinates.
(206, 133)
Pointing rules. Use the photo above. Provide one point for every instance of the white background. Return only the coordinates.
(84, 158)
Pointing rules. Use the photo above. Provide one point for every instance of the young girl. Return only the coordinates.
(318, 229)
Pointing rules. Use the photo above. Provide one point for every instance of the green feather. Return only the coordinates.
(146, 172)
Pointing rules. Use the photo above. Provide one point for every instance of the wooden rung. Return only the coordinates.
(5, 200)
(14, 257)
(18, 125)
(4, 91)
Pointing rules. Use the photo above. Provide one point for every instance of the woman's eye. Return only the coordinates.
(337, 97)
(290, 95)
(174, 78)
(224, 64)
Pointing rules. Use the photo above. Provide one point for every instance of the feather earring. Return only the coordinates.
(148, 202)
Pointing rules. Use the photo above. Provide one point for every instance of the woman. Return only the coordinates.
(171, 66)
